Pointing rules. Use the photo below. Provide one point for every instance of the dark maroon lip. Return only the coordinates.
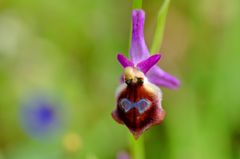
(138, 109)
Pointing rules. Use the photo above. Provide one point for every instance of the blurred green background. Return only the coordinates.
(66, 49)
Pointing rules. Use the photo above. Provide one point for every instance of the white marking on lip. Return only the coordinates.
(142, 105)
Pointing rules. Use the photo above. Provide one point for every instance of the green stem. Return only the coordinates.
(137, 147)
(137, 4)
(158, 35)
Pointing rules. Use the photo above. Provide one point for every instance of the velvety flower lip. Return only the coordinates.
(140, 56)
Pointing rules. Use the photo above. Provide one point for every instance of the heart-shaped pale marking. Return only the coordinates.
(142, 105)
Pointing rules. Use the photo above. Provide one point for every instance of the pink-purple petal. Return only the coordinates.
(124, 61)
(147, 64)
(138, 50)
(140, 56)
(159, 77)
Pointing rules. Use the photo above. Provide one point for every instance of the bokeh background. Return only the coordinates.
(58, 74)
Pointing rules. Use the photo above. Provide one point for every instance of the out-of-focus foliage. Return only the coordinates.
(67, 49)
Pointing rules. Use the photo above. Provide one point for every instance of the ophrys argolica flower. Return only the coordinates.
(138, 96)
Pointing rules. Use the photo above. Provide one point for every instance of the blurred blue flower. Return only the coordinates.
(40, 116)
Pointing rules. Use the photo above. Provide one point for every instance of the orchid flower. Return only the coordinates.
(138, 96)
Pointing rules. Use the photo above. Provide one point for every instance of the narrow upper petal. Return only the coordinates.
(147, 64)
(124, 61)
(138, 50)
(159, 77)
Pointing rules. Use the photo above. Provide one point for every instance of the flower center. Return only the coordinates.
(133, 75)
